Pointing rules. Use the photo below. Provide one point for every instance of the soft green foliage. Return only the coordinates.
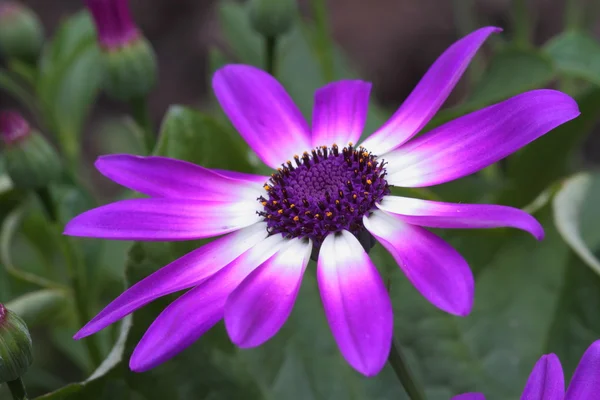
(532, 297)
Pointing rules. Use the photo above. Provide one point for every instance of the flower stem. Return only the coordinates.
(398, 363)
(521, 21)
(17, 389)
(76, 273)
(48, 204)
(141, 114)
(270, 56)
(324, 44)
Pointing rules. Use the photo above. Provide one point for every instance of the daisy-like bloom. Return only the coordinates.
(546, 381)
(327, 199)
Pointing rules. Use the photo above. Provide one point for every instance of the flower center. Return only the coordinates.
(324, 191)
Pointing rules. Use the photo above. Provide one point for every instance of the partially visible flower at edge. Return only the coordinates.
(322, 198)
(547, 382)
(129, 60)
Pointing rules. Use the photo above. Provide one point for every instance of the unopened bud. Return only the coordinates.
(21, 32)
(15, 346)
(30, 161)
(272, 18)
(129, 60)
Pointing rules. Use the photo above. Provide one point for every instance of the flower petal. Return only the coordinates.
(163, 219)
(167, 177)
(474, 141)
(434, 268)
(436, 214)
(340, 113)
(469, 396)
(546, 381)
(263, 113)
(182, 273)
(191, 315)
(429, 95)
(585, 383)
(243, 176)
(260, 305)
(356, 303)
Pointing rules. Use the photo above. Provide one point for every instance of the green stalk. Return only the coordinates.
(141, 115)
(270, 54)
(17, 389)
(404, 374)
(521, 21)
(324, 43)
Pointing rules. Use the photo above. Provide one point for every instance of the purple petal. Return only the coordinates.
(474, 141)
(191, 315)
(429, 95)
(546, 381)
(435, 214)
(434, 268)
(167, 177)
(356, 303)
(585, 384)
(340, 113)
(261, 304)
(263, 113)
(243, 176)
(182, 273)
(163, 219)
(469, 396)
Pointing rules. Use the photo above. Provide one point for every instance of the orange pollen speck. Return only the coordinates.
(264, 203)
(354, 196)
(266, 187)
(274, 202)
(279, 211)
(350, 143)
(329, 214)
(369, 181)
(292, 205)
(296, 218)
(365, 154)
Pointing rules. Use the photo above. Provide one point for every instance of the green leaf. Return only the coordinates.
(69, 79)
(13, 87)
(105, 383)
(510, 72)
(576, 54)
(190, 135)
(575, 210)
(531, 170)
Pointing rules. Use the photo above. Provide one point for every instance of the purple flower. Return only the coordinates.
(113, 22)
(546, 381)
(323, 198)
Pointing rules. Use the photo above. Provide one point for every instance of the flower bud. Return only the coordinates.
(21, 32)
(130, 62)
(272, 18)
(15, 346)
(30, 160)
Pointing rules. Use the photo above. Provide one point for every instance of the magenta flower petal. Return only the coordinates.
(182, 273)
(340, 113)
(163, 219)
(436, 214)
(546, 381)
(243, 176)
(356, 303)
(262, 112)
(191, 315)
(429, 95)
(474, 141)
(434, 268)
(469, 396)
(260, 305)
(167, 177)
(585, 384)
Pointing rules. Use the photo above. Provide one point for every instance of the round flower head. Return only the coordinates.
(328, 198)
(546, 381)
